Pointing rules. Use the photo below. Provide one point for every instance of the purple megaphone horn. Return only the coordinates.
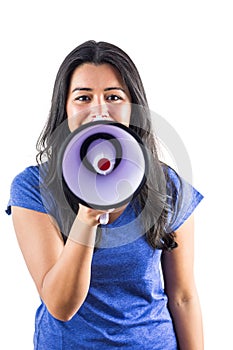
(104, 164)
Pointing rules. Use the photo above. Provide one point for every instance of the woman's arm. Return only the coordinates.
(183, 301)
(61, 272)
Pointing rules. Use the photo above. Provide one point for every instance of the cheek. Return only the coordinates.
(73, 124)
(121, 114)
(68, 109)
(73, 115)
(72, 121)
(76, 115)
(71, 109)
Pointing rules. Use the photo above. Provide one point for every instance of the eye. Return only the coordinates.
(82, 98)
(113, 98)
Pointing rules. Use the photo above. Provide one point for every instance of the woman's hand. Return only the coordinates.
(90, 216)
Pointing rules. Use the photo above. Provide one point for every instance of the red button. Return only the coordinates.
(104, 164)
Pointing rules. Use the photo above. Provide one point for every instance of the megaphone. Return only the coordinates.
(104, 164)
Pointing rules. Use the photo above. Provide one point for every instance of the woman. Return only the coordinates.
(95, 296)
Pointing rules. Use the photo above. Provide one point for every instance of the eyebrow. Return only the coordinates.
(114, 88)
(89, 89)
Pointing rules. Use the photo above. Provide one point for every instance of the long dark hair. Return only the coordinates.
(156, 203)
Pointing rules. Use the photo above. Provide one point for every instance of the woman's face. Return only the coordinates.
(97, 92)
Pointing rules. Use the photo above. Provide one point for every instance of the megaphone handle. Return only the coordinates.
(104, 218)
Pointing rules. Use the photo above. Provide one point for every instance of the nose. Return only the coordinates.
(100, 111)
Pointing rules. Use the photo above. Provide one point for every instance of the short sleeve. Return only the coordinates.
(25, 191)
(184, 198)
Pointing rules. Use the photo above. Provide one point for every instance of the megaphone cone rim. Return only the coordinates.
(80, 200)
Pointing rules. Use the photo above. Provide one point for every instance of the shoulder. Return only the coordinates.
(29, 175)
(178, 187)
(25, 190)
(172, 177)
(182, 198)
(26, 181)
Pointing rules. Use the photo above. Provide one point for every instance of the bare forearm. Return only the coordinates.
(187, 320)
(66, 285)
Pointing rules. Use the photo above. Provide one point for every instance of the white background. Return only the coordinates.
(183, 50)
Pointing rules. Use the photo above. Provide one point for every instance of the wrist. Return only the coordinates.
(83, 233)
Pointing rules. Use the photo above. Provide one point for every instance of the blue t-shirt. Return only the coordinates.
(126, 306)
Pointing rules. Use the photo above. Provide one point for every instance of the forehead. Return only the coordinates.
(91, 74)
